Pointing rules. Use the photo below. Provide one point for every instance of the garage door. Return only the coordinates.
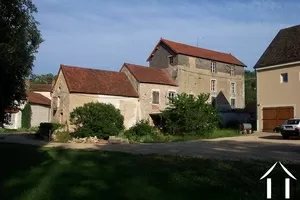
(275, 116)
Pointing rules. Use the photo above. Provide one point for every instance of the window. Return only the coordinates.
(58, 102)
(232, 102)
(155, 97)
(171, 95)
(213, 101)
(232, 88)
(232, 71)
(171, 59)
(213, 85)
(213, 67)
(284, 78)
(8, 118)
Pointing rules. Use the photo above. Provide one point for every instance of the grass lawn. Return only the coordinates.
(28, 173)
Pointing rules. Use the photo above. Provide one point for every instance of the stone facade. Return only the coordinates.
(194, 76)
(60, 101)
(145, 91)
(64, 102)
(148, 105)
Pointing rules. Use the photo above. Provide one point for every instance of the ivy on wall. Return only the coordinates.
(26, 116)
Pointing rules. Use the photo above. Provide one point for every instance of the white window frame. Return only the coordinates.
(213, 65)
(234, 102)
(281, 78)
(167, 98)
(155, 90)
(215, 81)
(234, 88)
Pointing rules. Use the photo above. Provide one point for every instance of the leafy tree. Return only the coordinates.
(250, 87)
(190, 115)
(97, 119)
(42, 78)
(26, 116)
(19, 41)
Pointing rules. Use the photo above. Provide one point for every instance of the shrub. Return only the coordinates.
(190, 115)
(62, 136)
(26, 116)
(97, 119)
(47, 129)
(141, 128)
(141, 132)
(233, 124)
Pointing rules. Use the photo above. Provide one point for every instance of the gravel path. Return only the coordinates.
(261, 146)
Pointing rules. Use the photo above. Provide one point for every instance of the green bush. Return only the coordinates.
(62, 136)
(233, 124)
(190, 115)
(141, 132)
(97, 119)
(26, 116)
(47, 129)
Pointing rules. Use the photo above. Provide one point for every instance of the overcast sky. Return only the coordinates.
(105, 34)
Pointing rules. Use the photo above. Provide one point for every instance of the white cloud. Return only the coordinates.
(106, 34)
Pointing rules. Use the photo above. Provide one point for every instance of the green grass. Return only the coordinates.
(161, 138)
(21, 130)
(28, 173)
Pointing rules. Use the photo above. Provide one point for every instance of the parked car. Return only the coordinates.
(290, 128)
(277, 129)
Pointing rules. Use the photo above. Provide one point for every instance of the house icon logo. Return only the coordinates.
(287, 181)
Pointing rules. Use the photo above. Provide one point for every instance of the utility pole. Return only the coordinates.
(197, 42)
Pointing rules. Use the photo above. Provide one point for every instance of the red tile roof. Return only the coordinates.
(11, 110)
(154, 75)
(36, 98)
(94, 81)
(180, 48)
(41, 87)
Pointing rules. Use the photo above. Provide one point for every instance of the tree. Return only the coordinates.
(19, 41)
(26, 116)
(190, 115)
(250, 87)
(42, 78)
(97, 119)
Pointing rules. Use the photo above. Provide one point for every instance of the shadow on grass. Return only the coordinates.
(33, 174)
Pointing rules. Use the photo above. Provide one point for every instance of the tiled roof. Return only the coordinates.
(180, 48)
(11, 110)
(41, 87)
(36, 98)
(154, 75)
(94, 81)
(285, 48)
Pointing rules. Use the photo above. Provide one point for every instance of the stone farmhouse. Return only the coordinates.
(141, 92)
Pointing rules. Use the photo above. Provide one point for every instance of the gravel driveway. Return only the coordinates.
(262, 146)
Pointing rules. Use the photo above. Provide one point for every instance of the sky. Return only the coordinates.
(105, 34)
